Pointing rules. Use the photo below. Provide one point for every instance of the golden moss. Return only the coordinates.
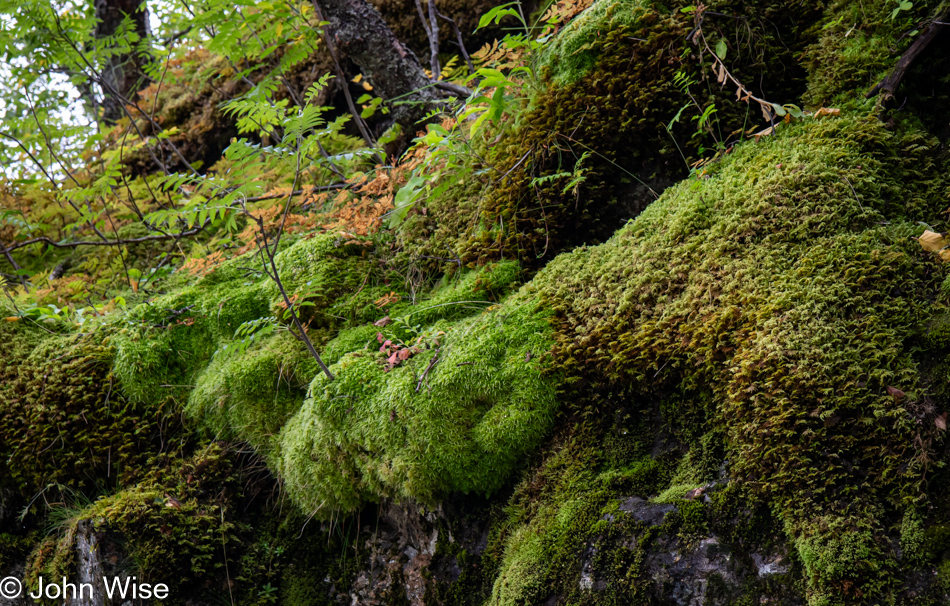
(64, 421)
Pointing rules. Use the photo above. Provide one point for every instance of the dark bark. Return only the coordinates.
(359, 32)
(122, 72)
(888, 86)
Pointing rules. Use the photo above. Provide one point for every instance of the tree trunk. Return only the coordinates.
(121, 73)
(359, 31)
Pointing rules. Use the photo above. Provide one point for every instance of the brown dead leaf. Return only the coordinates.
(694, 494)
(827, 111)
(932, 241)
(895, 393)
(941, 421)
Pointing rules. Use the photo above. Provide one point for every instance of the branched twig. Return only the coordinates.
(432, 363)
(268, 256)
(696, 36)
(118, 242)
(458, 34)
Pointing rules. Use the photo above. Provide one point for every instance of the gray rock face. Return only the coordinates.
(401, 551)
(771, 563)
(88, 566)
(12, 589)
(685, 571)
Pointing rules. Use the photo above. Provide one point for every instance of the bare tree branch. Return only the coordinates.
(434, 41)
(888, 85)
(458, 34)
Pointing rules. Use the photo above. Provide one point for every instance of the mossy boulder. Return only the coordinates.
(64, 422)
(613, 117)
(465, 402)
(166, 343)
(786, 280)
(251, 394)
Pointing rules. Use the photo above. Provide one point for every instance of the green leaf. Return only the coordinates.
(497, 14)
(405, 197)
(721, 49)
(794, 110)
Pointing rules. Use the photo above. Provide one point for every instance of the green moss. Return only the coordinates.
(913, 539)
(574, 51)
(457, 416)
(350, 340)
(463, 294)
(786, 282)
(843, 561)
(63, 420)
(250, 395)
(675, 493)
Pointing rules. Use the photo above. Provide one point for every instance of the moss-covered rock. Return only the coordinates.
(64, 421)
(166, 343)
(787, 281)
(858, 44)
(455, 409)
(250, 395)
(621, 105)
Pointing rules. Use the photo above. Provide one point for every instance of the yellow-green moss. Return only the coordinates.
(786, 281)
(457, 416)
(250, 395)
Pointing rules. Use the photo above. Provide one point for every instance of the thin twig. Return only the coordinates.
(432, 363)
(119, 242)
(434, 41)
(458, 34)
